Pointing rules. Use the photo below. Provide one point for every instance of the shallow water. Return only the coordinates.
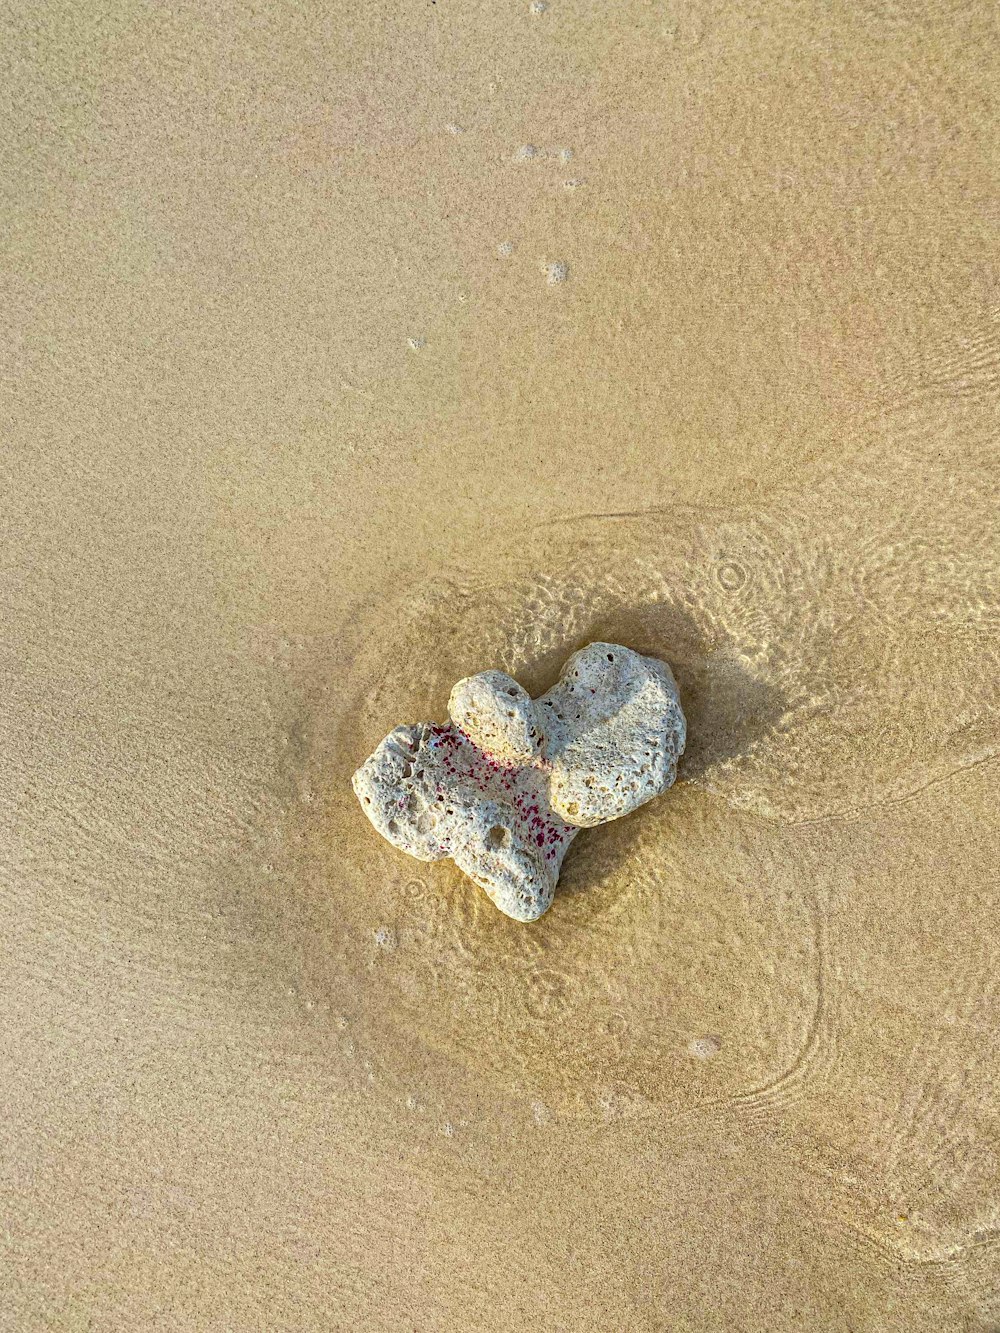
(353, 353)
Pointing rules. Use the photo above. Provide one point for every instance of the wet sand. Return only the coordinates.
(350, 353)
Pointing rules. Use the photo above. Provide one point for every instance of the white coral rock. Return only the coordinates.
(506, 787)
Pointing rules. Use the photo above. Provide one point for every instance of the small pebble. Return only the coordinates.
(705, 1047)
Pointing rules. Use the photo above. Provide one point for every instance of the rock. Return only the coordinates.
(614, 732)
(498, 716)
(434, 793)
(504, 789)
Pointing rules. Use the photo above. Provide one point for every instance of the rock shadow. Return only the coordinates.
(729, 710)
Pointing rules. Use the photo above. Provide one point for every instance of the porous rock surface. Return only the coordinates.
(506, 786)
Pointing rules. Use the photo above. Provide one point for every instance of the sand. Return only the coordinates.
(353, 349)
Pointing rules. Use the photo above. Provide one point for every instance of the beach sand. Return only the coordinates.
(350, 350)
